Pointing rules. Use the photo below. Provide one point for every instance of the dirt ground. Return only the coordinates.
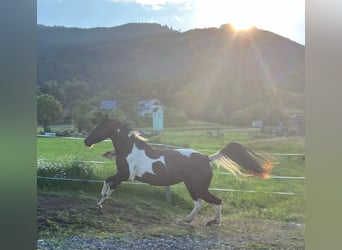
(62, 216)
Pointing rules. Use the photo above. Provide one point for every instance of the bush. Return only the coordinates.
(65, 132)
(240, 118)
(258, 111)
(175, 118)
(61, 170)
(75, 169)
(142, 121)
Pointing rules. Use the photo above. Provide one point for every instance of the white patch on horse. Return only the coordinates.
(139, 163)
(186, 151)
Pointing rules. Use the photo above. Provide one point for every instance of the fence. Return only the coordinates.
(168, 193)
(167, 188)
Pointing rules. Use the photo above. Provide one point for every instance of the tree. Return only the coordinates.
(54, 89)
(275, 115)
(73, 92)
(175, 117)
(82, 116)
(257, 111)
(240, 118)
(49, 110)
(213, 113)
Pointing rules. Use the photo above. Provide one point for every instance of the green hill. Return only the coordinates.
(195, 71)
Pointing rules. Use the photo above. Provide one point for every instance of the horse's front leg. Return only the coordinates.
(105, 193)
(109, 185)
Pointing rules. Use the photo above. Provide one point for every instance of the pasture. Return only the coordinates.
(273, 202)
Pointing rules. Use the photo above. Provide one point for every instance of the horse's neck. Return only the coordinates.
(119, 146)
(124, 147)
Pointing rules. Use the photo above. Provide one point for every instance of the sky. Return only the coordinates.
(283, 17)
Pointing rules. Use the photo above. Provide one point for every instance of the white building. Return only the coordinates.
(158, 120)
(147, 107)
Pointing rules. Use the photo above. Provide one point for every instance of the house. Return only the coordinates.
(158, 119)
(108, 105)
(147, 107)
(257, 124)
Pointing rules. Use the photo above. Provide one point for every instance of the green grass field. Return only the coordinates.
(62, 152)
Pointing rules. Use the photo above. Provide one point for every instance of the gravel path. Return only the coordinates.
(184, 242)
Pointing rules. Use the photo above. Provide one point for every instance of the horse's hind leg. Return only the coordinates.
(208, 197)
(197, 201)
(198, 189)
(197, 206)
(216, 202)
(217, 218)
(199, 197)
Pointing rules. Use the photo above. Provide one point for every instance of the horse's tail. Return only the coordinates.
(235, 156)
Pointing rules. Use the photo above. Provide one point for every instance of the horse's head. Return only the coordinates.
(105, 129)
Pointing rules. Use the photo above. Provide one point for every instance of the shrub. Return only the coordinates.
(75, 169)
(62, 170)
(175, 117)
(240, 118)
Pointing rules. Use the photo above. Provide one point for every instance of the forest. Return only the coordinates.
(216, 74)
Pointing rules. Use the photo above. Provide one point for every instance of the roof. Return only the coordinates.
(150, 102)
(108, 105)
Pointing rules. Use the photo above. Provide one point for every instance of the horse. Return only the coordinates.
(136, 160)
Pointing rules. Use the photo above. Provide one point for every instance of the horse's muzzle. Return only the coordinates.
(87, 143)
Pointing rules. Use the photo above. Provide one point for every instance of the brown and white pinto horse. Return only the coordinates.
(136, 160)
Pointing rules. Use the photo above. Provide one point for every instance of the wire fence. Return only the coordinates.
(141, 183)
(168, 194)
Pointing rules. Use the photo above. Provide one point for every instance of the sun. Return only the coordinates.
(242, 25)
(240, 14)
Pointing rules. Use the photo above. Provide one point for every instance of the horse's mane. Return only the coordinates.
(130, 131)
(137, 135)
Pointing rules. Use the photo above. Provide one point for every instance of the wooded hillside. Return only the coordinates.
(199, 71)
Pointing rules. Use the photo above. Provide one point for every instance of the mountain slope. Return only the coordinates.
(191, 70)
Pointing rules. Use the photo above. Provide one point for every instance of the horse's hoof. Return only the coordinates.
(99, 205)
(187, 220)
(212, 223)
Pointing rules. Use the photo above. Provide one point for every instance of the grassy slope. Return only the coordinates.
(127, 217)
(148, 199)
